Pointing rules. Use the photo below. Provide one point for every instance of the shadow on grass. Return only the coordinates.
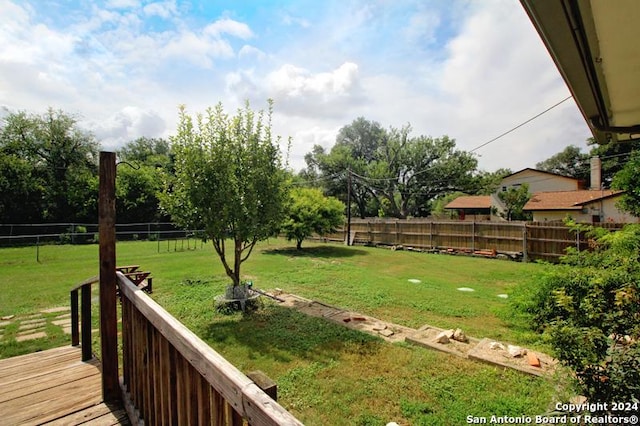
(285, 334)
(317, 251)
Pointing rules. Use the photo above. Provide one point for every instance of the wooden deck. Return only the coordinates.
(54, 387)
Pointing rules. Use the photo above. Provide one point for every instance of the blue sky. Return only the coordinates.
(467, 69)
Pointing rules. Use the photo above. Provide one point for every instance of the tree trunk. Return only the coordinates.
(299, 244)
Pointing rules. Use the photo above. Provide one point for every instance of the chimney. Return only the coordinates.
(596, 173)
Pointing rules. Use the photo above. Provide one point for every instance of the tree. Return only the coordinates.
(569, 162)
(514, 200)
(137, 190)
(413, 171)
(149, 151)
(356, 146)
(229, 181)
(628, 179)
(138, 185)
(614, 155)
(310, 212)
(20, 191)
(63, 159)
(391, 171)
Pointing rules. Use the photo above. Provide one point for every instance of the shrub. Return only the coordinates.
(589, 307)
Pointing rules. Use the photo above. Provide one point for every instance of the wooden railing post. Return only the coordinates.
(108, 314)
(85, 325)
(75, 333)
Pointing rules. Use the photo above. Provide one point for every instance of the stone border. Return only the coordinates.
(484, 350)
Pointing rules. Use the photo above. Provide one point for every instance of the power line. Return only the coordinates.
(520, 125)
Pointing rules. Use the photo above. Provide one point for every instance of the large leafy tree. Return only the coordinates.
(139, 184)
(357, 146)
(62, 159)
(389, 171)
(569, 162)
(310, 212)
(20, 191)
(229, 181)
(418, 170)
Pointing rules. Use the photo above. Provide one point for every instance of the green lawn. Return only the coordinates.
(326, 374)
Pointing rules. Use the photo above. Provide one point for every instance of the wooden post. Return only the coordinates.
(265, 383)
(108, 314)
(86, 322)
(75, 331)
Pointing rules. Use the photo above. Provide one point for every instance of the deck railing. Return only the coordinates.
(83, 320)
(171, 376)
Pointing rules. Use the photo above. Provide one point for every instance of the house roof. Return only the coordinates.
(539, 171)
(470, 202)
(567, 200)
(594, 45)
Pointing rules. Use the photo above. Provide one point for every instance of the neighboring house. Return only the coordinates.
(471, 207)
(554, 198)
(590, 206)
(537, 181)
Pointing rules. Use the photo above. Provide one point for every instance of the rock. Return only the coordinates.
(533, 360)
(443, 337)
(460, 336)
(386, 333)
(496, 346)
(379, 327)
(516, 351)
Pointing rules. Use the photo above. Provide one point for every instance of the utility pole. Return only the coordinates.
(349, 206)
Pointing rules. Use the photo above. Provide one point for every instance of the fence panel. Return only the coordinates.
(531, 240)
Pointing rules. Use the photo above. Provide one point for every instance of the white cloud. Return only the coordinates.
(123, 4)
(422, 26)
(292, 82)
(165, 9)
(292, 20)
(128, 124)
(230, 27)
(248, 51)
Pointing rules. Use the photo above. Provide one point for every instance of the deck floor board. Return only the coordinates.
(54, 386)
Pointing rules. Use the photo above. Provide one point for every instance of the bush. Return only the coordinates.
(589, 308)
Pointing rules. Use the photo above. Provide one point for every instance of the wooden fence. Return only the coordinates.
(528, 240)
(172, 377)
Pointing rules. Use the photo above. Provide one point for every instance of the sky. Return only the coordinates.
(469, 69)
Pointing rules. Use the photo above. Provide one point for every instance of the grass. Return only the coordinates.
(326, 374)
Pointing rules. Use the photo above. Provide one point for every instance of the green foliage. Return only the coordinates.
(628, 179)
(229, 181)
(590, 310)
(55, 163)
(569, 162)
(392, 172)
(613, 155)
(310, 212)
(514, 200)
(137, 192)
